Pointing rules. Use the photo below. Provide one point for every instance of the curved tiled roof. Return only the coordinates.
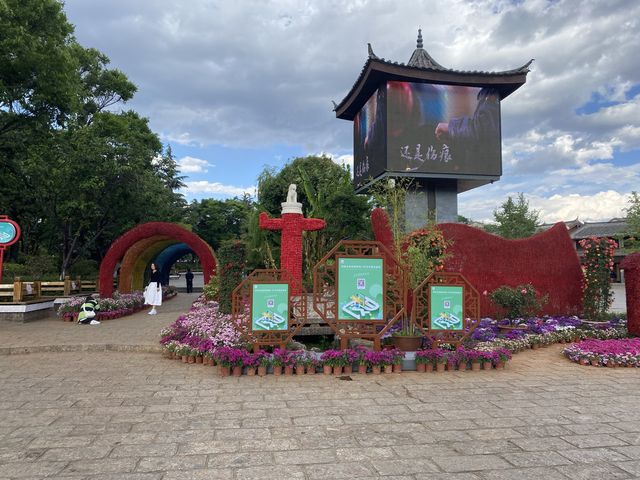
(422, 67)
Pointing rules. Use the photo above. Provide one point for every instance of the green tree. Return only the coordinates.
(38, 81)
(219, 220)
(514, 219)
(633, 222)
(75, 174)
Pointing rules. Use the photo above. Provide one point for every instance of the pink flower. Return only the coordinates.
(523, 291)
(485, 293)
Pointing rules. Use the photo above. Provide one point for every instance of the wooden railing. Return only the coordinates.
(20, 291)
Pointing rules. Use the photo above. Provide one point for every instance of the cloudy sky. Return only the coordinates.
(234, 86)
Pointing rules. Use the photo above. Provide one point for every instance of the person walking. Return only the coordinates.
(153, 292)
(189, 277)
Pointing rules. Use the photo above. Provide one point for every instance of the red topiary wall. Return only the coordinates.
(631, 266)
(547, 260)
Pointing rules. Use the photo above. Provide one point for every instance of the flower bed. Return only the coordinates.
(204, 335)
(201, 331)
(121, 305)
(610, 353)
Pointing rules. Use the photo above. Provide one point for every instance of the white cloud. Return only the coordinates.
(193, 165)
(216, 188)
(342, 160)
(602, 205)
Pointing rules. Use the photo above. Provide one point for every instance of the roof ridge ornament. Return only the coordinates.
(371, 54)
(419, 43)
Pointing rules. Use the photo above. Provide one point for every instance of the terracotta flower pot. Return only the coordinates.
(327, 369)
(500, 366)
(198, 358)
(185, 359)
(362, 369)
(311, 370)
(421, 368)
(237, 370)
(535, 346)
(595, 363)
(475, 366)
(251, 371)
(348, 369)
(451, 367)
(407, 344)
(487, 366)
(262, 371)
(428, 367)
(288, 370)
(299, 369)
(462, 366)
(375, 369)
(277, 369)
(440, 367)
(388, 369)
(191, 359)
(224, 371)
(337, 370)
(397, 368)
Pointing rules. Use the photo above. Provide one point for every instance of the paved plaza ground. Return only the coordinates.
(95, 413)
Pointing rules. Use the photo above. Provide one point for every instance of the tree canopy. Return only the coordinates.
(514, 219)
(76, 172)
(633, 221)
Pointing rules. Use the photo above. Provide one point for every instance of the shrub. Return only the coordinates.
(85, 269)
(212, 289)
(232, 267)
(518, 302)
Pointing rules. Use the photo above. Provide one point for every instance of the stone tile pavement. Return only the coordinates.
(139, 332)
(93, 413)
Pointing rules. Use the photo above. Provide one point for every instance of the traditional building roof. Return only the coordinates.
(571, 225)
(422, 68)
(611, 228)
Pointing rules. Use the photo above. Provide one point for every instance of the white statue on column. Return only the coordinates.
(292, 205)
(292, 195)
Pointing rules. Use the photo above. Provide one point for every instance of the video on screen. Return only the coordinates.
(369, 140)
(443, 129)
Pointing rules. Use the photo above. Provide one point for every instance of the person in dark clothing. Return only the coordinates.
(479, 131)
(153, 292)
(189, 277)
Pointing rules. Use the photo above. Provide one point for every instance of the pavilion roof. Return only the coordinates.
(421, 67)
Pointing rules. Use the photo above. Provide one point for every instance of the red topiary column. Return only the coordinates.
(631, 267)
(292, 225)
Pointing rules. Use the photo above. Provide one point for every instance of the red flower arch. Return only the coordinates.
(161, 230)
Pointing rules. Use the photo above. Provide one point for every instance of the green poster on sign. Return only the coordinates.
(360, 288)
(270, 307)
(446, 307)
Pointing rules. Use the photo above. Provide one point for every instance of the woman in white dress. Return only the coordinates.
(153, 292)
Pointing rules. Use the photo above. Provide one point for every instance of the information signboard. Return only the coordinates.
(447, 307)
(360, 288)
(270, 307)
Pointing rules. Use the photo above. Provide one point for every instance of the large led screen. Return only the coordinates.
(443, 129)
(369, 140)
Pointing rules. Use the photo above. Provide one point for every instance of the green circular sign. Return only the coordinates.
(7, 232)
